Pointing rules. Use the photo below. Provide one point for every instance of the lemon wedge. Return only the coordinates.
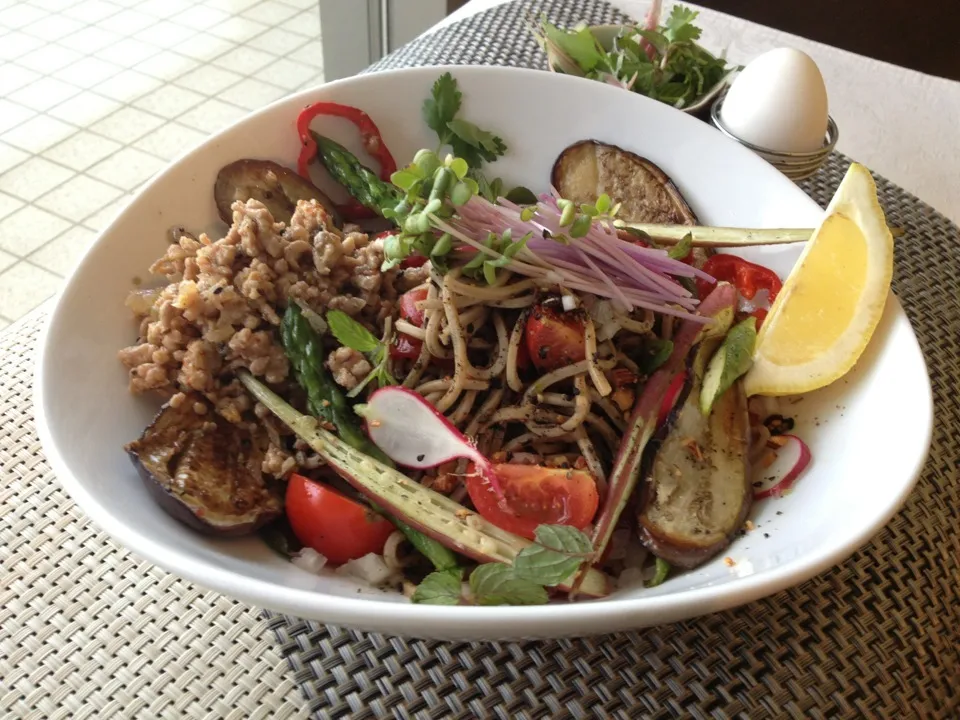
(831, 303)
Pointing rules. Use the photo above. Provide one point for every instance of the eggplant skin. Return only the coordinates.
(205, 472)
(276, 186)
(696, 490)
(589, 168)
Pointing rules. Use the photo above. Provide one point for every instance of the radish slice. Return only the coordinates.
(412, 433)
(792, 459)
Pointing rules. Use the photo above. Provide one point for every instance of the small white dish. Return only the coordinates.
(869, 433)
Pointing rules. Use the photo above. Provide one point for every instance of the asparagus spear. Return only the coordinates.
(361, 182)
(427, 511)
(304, 348)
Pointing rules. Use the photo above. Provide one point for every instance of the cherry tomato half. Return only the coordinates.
(554, 338)
(535, 495)
(335, 526)
(405, 346)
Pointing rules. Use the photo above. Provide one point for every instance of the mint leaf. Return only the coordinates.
(558, 552)
(660, 574)
(579, 45)
(439, 588)
(682, 248)
(679, 26)
(442, 106)
(497, 584)
(351, 333)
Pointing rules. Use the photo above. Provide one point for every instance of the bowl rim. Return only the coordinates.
(581, 618)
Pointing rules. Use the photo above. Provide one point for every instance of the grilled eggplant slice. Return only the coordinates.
(204, 471)
(696, 492)
(276, 186)
(587, 169)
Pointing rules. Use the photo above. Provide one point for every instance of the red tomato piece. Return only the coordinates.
(405, 346)
(554, 338)
(335, 526)
(535, 495)
(670, 399)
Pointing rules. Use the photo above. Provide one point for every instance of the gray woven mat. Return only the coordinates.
(875, 637)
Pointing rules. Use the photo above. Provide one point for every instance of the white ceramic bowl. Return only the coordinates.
(869, 433)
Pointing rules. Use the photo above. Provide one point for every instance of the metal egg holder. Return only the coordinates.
(795, 165)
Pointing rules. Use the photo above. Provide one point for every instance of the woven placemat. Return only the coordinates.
(876, 637)
(88, 629)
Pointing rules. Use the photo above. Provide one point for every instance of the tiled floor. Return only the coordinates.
(97, 95)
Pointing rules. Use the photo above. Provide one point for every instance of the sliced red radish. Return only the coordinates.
(791, 460)
(412, 433)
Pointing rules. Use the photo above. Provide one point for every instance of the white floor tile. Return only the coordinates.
(310, 54)
(13, 77)
(92, 11)
(61, 254)
(278, 41)
(82, 150)
(200, 17)
(306, 23)
(164, 33)
(162, 8)
(302, 4)
(38, 133)
(10, 156)
(18, 44)
(8, 203)
(78, 198)
(209, 80)
(53, 27)
(245, 60)
(128, 85)
(88, 72)
(127, 22)
(49, 58)
(31, 179)
(84, 109)
(127, 168)
(127, 124)
(211, 116)
(170, 140)
(206, 48)
(270, 12)
(23, 287)
(127, 52)
(237, 29)
(44, 93)
(167, 65)
(169, 101)
(231, 6)
(28, 229)
(252, 94)
(99, 220)
(19, 15)
(12, 114)
(286, 74)
(54, 5)
(89, 39)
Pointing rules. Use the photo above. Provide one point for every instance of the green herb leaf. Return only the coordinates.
(679, 26)
(351, 333)
(405, 179)
(497, 584)
(558, 552)
(682, 248)
(439, 588)
(522, 196)
(486, 144)
(578, 44)
(660, 574)
(442, 106)
(654, 353)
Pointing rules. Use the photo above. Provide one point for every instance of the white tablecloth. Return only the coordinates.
(903, 124)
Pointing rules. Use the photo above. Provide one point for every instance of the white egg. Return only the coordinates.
(778, 102)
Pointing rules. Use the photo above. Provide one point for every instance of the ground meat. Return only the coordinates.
(348, 367)
(224, 299)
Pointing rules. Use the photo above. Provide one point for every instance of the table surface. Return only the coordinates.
(900, 123)
(241, 653)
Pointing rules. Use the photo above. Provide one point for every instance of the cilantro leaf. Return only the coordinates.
(556, 555)
(439, 588)
(682, 248)
(679, 26)
(484, 144)
(442, 106)
(498, 584)
(349, 332)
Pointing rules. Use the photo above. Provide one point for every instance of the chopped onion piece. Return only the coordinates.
(310, 560)
(370, 568)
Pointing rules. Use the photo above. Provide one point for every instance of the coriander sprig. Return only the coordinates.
(352, 334)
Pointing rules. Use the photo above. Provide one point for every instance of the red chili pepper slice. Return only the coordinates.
(369, 134)
(749, 278)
